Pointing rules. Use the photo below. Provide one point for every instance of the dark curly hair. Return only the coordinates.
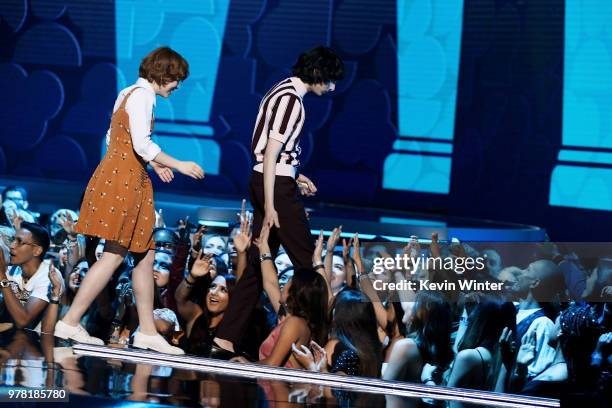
(164, 65)
(319, 65)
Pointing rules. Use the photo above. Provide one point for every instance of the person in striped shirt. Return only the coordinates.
(276, 185)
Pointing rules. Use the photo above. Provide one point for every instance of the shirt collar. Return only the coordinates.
(300, 86)
(141, 82)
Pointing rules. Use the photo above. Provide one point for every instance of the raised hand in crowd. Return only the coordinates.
(434, 248)
(16, 219)
(201, 266)
(242, 240)
(67, 223)
(526, 353)
(348, 262)
(183, 228)
(357, 256)
(317, 255)
(262, 241)
(196, 239)
(332, 241)
(159, 219)
(268, 269)
(508, 352)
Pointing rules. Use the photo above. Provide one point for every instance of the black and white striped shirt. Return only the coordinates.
(280, 117)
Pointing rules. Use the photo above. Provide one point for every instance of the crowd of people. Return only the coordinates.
(329, 317)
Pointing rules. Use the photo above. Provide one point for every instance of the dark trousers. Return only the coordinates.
(294, 234)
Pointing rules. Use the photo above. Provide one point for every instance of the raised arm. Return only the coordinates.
(268, 270)
(332, 241)
(23, 315)
(242, 241)
(187, 309)
(317, 262)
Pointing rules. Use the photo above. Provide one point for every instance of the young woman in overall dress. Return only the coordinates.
(118, 201)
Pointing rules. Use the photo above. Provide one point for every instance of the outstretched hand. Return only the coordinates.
(201, 266)
(67, 223)
(262, 240)
(242, 241)
(317, 255)
(190, 169)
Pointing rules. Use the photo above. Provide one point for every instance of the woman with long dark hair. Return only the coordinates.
(478, 358)
(354, 347)
(304, 300)
(202, 313)
(428, 340)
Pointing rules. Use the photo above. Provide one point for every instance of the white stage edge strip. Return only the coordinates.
(358, 384)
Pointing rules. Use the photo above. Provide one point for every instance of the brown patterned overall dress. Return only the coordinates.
(118, 202)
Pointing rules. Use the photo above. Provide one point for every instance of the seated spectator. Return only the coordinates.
(202, 301)
(427, 342)
(304, 299)
(552, 382)
(475, 364)
(14, 204)
(25, 284)
(540, 281)
(354, 347)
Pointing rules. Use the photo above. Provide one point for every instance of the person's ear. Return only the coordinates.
(37, 250)
(534, 284)
(25, 204)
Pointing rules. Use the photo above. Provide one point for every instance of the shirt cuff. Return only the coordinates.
(277, 136)
(150, 152)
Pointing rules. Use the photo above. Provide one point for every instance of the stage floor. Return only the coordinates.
(97, 376)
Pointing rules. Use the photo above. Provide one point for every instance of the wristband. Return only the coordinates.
(54, 301)
(318, 266)
(265, 256)
(188, 282)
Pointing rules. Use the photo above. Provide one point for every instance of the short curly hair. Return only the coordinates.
(319, 65)
(164, 65)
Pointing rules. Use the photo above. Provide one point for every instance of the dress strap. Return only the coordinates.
(122, 106)
(484, 366)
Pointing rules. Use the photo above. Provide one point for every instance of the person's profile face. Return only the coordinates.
(23, 248)
(166, 90)
(324, 87)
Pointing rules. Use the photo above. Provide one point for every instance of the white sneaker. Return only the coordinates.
(155, 342)
(76, 333)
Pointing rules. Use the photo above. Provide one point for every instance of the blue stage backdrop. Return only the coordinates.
(483, 108)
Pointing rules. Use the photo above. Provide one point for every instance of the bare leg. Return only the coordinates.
(143, 284)
(95, 281)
